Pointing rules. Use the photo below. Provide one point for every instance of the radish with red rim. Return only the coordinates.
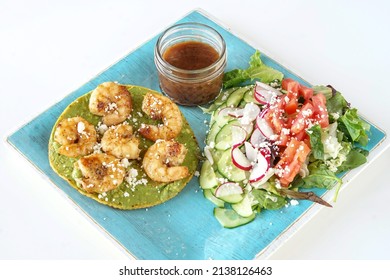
(240, 160)
(250, 152)
(259, 169)
(236, 113)
(239, 135)
(264, 127)
(227, 111)
(264, 93)
(257, 138)
(270, 172)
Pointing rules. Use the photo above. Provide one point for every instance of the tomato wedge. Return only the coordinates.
(305, 92)
(320, 111)
(291, 161)
(300, 123)
(290, 85)
(274, 118)
(292, 104)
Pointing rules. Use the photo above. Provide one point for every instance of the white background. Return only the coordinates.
(50, 48)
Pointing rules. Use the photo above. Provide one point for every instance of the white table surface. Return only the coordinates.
(50, 48)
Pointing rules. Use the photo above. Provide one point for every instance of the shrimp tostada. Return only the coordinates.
(125, 146)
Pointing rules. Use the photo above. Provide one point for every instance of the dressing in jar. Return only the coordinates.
(190, 60)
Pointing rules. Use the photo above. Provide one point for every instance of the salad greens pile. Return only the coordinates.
(244, 154)
(256, 70)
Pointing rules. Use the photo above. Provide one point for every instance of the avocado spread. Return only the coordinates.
(137, 190)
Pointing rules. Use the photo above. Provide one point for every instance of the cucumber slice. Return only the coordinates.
(223, 138)
(242, 103)
(228, 170)
(207, 178)
(229, 192)
(229, 218)
(221, 120)
(236, 96)
(210, 196)
(220, 178)
(216, 155)
(233, 198)
(224, 95)
(244, 207)
(221, 98)
(218, 118)
(214, 129)
(215, 114)
(249, 96)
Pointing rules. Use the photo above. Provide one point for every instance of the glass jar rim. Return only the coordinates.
(184, 71)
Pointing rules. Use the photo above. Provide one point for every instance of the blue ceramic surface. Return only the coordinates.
(184, 227)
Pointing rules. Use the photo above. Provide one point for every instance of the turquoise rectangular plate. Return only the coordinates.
(184, 227)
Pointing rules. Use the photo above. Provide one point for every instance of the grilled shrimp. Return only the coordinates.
(159, 107)
(76, 137)
(119, 141)
(112, 102)
(100, 173)
(162, 159)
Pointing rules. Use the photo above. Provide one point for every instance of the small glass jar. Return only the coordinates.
(193, 79)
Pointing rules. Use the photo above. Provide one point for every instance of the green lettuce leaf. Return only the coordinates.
(256, 70)
(354, 127)
(268, 200)
(336, 104)
(317, 147)
(355, 158)
(326, 91)
(320, 176)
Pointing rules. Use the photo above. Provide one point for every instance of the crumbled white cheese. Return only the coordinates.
(335, 115)
(80, 127)
(125, 162)
(294, 202)
(101, 127)
(97, 148)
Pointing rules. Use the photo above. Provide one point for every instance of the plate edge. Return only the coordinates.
(204, 13)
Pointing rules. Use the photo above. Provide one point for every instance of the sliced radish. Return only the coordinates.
(259, 98)
(257, 138)
(227, 189)
(262, 86)
(265, 94)
(259, 169)
(228, 111)
(248, 128)
(239, 135)
(237, 113)
(264, 127)
(250, 112)
(240, 160)
(250, 152)
(208, 154)
(259, 184)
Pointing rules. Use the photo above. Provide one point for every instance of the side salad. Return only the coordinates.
(273, 137)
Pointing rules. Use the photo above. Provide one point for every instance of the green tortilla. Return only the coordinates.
(140, 192)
